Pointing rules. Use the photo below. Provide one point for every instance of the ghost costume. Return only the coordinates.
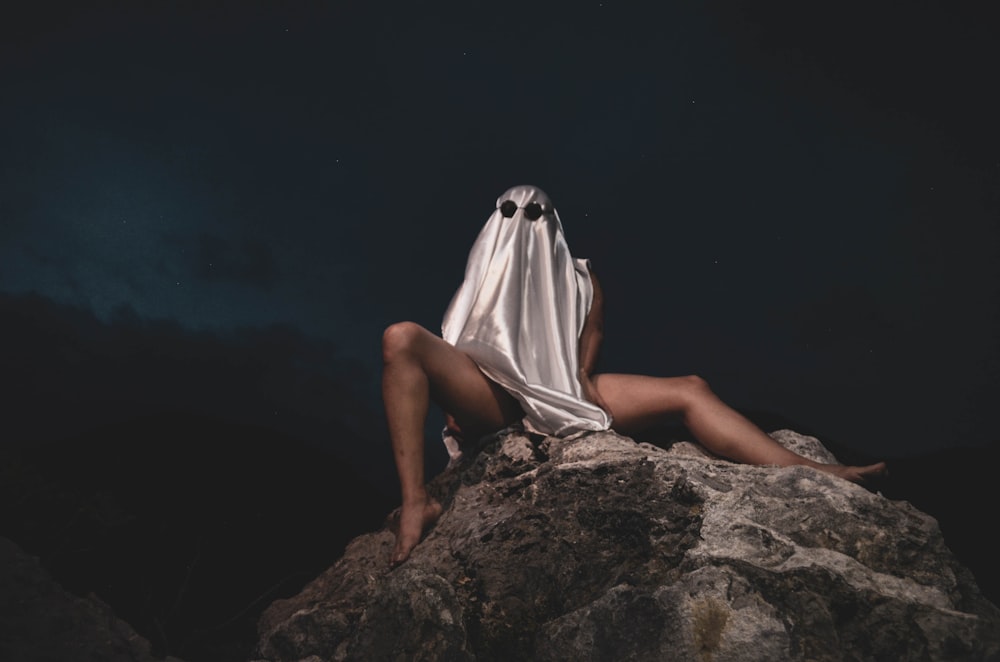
(520, 311)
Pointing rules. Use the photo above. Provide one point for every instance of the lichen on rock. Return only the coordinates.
(601, 548)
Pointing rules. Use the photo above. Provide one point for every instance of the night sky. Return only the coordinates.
(800, 205)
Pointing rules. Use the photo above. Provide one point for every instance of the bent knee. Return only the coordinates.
(696, 382)
(696, 386)
(400, 338)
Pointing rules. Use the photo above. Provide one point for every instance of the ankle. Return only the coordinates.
(416, 497)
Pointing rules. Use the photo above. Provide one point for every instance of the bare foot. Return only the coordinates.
(859, 475)
(414, 518)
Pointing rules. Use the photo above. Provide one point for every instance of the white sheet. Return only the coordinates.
(520, 311)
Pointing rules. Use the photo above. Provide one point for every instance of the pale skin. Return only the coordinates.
(420, 367)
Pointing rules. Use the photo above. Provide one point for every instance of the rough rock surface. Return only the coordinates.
(42, 622)
(605, 549)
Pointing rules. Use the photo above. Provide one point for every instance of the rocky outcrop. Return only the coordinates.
(604, 549)
(42, 622)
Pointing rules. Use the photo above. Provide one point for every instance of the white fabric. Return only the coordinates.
(519, 314)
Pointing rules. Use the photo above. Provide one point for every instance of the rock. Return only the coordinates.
(601, 548)
(42, 622)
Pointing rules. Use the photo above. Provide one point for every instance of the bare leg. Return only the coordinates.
(637, 402)
(420, 367)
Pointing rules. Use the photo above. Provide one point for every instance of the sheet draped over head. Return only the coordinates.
(520, 311)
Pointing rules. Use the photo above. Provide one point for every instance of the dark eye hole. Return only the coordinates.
(533, 211)
(508, 208)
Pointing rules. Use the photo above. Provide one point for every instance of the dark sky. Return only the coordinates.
(799, 204)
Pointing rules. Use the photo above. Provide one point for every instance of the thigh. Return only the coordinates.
(638, 402)
(476, 403)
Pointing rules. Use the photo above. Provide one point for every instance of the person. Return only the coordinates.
(519, 344)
